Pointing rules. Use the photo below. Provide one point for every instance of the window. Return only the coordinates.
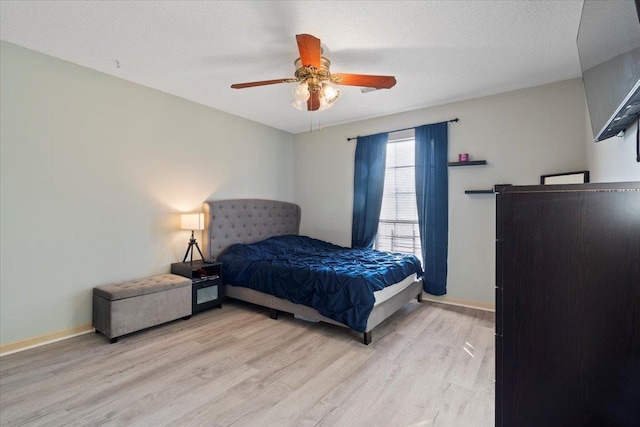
(398, 225)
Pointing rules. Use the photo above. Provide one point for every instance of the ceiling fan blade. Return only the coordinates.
(313, 103)
(310, 50)
(261, 83)
(363, 80)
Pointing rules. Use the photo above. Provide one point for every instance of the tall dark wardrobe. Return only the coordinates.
(568, 305)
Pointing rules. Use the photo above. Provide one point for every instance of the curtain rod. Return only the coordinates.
(413, 127)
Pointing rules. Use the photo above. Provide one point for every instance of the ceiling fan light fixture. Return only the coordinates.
(328, 96)
(299, 96)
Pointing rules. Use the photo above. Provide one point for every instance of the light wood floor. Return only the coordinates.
(428, 365)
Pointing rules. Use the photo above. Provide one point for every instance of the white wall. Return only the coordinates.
(94, 171)
(522, 134)
(614, 159)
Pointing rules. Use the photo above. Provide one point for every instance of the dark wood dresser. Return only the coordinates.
(568, 305)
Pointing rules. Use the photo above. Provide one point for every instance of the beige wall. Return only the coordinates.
(94, 171)
(522, 134)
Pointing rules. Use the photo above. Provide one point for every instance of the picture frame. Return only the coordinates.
(577, 177)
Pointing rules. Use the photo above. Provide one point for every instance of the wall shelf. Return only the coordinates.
(490, 191)
(469, 163)
(485, 191)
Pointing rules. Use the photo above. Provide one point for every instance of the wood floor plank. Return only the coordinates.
(182, 405)
(291, 406)
(429, 365)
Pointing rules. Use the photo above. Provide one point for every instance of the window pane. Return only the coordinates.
(404, 152)
(405, 180)
(398, 227)
(391, 155)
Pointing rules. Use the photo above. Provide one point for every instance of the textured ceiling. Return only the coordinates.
(439, 51)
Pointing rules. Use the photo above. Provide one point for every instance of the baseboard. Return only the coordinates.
(460, 302)
(16, 346)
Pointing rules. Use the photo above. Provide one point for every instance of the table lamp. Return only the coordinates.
(193, 221)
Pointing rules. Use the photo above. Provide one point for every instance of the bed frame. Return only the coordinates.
(251, 220)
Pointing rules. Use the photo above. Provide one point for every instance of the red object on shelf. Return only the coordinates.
(463, 157)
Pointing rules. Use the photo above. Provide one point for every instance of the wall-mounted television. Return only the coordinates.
(609, 50)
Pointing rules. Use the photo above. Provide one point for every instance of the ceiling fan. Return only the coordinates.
(314, 91)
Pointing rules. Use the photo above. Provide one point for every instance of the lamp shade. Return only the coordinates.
(192, 221)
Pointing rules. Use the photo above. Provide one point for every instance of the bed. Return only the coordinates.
(253, 221)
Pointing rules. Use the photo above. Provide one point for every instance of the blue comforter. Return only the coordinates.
(338, 282)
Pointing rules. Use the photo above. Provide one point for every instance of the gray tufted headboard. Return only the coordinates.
(245, 221)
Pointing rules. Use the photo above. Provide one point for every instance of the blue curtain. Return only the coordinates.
(368, 185)
(432, 194)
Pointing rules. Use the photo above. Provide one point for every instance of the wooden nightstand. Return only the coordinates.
(206, 278)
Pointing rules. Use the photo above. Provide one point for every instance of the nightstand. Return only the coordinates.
(206, 279)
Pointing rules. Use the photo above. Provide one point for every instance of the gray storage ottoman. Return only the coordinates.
(125, 307)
